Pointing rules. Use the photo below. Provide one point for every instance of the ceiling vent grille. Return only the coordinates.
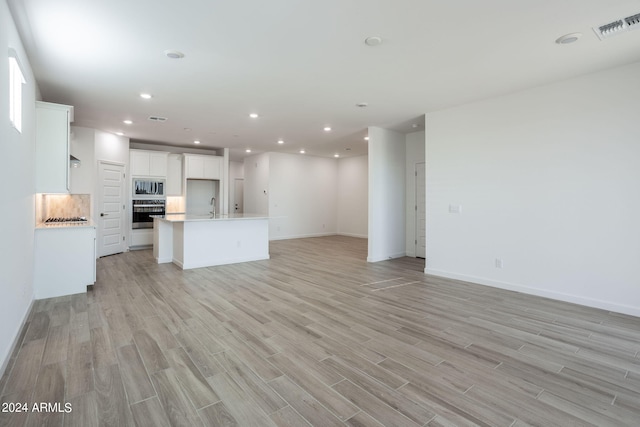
(157, 119)
(617, 27)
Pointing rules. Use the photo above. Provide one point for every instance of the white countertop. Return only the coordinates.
(57, 225)
(218, 217)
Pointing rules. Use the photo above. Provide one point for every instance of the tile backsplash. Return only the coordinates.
(64, 205)
(175, 205)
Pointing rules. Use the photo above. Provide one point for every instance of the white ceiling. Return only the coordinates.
(302, 65)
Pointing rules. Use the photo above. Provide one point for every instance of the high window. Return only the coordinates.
(16, 80)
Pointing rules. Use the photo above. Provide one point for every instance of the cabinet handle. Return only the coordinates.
(104, 214)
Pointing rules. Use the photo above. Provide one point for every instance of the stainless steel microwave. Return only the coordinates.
(148, 187)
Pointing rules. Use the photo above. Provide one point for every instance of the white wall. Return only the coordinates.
(199, 194)
(415, 148)
(256, 184)
(17, 213)
(353, 192)
(82, 179)
(548, 182)
(387, 165)
(302, 200)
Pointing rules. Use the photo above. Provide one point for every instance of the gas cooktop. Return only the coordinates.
(73, 219)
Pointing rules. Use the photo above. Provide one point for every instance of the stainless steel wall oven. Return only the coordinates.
(143, 209)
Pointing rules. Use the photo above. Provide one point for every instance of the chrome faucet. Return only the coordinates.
(213, 207)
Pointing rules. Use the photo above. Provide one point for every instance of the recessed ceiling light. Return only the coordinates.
(146, 96)
(336, 155)
(253, 115)
(119, 133)
(362, 105)
(569, 38)
(302, 151)
(248, 150)
(187, 129)
(327, 129)
(373, 41)
(174, 54)
(127, 122)
(280, 141)
(196, 142)
(366, 138)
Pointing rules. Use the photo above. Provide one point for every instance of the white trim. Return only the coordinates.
(302, 236)
(385, 258)
(359, 236)
(575, 299)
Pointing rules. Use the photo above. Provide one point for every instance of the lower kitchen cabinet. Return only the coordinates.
(141, 238)
(65, 260)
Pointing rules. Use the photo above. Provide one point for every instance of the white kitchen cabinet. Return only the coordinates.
(202, 167)
(148, 163)
(141, 238)
(52, 147)
(174, 175)
(65, 260)
(212, 167)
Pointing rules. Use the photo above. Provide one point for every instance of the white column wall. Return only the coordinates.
(548, 182)
(353, 196)
(17, 215)
(387, 204)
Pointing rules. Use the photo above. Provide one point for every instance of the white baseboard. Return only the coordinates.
(575, 299)
(386, 257)
(5, 362)
(360, 236)
(301, 236)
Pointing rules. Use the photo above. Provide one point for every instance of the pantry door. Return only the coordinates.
(110, 205)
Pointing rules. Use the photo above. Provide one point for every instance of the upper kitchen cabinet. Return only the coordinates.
(148, 163)
(52, 147)
(174, 175)
(202, 167)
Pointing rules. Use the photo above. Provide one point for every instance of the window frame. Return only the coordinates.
(16, 81)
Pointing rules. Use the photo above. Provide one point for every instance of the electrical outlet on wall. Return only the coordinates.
(499, 263)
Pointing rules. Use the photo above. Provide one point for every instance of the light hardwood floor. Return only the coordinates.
(317, 336)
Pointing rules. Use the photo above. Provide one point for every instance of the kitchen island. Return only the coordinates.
(194, 241)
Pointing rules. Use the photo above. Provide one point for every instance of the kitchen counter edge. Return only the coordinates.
(191, 217)
(43, 226)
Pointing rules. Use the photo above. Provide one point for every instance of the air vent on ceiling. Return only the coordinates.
(157, 119)
(618, 26)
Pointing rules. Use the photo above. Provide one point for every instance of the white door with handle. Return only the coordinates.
(238, 195)
(110, 207)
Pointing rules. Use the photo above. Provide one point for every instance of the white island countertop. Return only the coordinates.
(217, 217)
(194, 241)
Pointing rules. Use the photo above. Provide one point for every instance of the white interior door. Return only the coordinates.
(421, 209)
(110, 205)
(238, 195)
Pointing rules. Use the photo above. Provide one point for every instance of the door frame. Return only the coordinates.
(417, 217)
(126, 224)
